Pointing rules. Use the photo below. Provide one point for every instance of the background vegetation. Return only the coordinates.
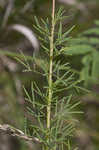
(83, 57)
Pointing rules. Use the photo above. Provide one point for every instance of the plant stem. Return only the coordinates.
(51, 66)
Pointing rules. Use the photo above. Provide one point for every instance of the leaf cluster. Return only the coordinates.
(63, 80)
(86, 44)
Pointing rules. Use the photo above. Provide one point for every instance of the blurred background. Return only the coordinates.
(16, 15)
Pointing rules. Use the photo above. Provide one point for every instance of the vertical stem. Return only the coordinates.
(51, 66)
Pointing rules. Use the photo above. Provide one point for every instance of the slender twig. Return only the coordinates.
(8, 12)
(51, 66)
(9, 130)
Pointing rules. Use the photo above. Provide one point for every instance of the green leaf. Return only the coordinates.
(60, 31)
(94, 31)
(27, 94)
(78, 50)
(69, 31)
(94, 41)
(97, 22)
(95, 65)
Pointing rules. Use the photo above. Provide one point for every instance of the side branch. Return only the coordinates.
(9, 130)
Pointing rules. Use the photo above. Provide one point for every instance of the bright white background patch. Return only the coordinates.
(28, 33)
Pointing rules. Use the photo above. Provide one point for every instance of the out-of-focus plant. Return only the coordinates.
(87, 45)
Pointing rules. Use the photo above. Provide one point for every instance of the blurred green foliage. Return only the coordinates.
(84, 60)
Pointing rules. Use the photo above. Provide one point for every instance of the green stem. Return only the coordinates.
(51, 67)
